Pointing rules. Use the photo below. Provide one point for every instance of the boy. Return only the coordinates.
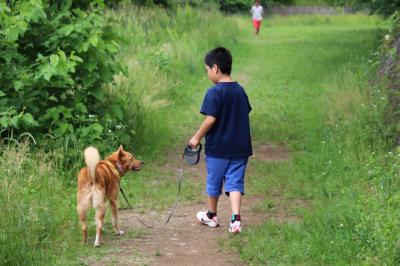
(228, 143)
(257, 12)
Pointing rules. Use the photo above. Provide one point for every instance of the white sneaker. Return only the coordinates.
(235, 227)
(203, 218)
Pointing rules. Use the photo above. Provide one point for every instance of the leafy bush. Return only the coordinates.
(385, 7)
(56, 58)
(235, 5)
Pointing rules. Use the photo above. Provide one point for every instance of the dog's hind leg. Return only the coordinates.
(114, 214)
(99, 204)
(84, 203)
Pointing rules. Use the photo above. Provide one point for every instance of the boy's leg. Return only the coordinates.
(212, 204)
(216, 168)
(236, 201)
(234, 187)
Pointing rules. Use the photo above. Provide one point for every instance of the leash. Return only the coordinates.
(177, 196)
(130, 207)
(118, 173)
(192, 157)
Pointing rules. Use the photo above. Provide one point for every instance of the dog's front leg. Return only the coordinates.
(114, 214)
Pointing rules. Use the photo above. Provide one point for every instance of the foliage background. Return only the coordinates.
(56, 51)
(57, 58)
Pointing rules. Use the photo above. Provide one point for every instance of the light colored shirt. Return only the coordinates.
(257, 12)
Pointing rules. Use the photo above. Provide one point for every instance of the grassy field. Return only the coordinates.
(307, 78)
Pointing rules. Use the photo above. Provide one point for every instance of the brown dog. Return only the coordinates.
(99, 181)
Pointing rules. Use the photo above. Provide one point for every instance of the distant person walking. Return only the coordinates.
(257, 12)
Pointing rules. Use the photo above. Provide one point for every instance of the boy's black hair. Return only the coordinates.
(221, 57)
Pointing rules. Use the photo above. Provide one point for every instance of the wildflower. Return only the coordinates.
(387, 37)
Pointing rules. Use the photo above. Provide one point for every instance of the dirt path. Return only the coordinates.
(184, 241)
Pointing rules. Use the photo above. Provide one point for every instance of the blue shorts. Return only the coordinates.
(227, 172)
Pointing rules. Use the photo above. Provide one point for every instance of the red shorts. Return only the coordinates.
(256, 24)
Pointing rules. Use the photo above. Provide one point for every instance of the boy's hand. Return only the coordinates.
(204, 128)
(194, 141)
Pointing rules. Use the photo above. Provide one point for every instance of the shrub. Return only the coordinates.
(56, 58)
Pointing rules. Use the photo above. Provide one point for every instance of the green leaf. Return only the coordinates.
(81, 108)
(75, 58)
(88, 80)
(2, 94)
(54, 59)
(93, 40)
(14, 121)
(98, 93)
(66, 30)
(117, 111)
(18, 84)
(52, 113)
(28, 121)
(106, 74)
(53, 98)
(97, 128)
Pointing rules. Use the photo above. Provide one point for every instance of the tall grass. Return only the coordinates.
(164, 52)
(36, 210)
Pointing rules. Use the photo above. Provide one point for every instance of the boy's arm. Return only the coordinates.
(204, 128)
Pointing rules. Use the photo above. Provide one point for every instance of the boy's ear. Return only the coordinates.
(216, 67)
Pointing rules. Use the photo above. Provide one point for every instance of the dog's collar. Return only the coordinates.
(113, 169)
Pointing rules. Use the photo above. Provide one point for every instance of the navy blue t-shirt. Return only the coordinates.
(229, 137)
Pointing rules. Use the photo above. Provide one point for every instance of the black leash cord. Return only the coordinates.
(177, 196)
(126, 199)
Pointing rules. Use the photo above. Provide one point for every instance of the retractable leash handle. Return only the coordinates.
(192, 157)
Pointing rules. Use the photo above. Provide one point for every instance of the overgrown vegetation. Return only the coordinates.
(343, 162)
(163, 52)
(56, 59)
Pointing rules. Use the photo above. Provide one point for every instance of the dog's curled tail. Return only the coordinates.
(92, 157)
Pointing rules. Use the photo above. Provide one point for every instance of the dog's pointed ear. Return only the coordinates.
(120, 151)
